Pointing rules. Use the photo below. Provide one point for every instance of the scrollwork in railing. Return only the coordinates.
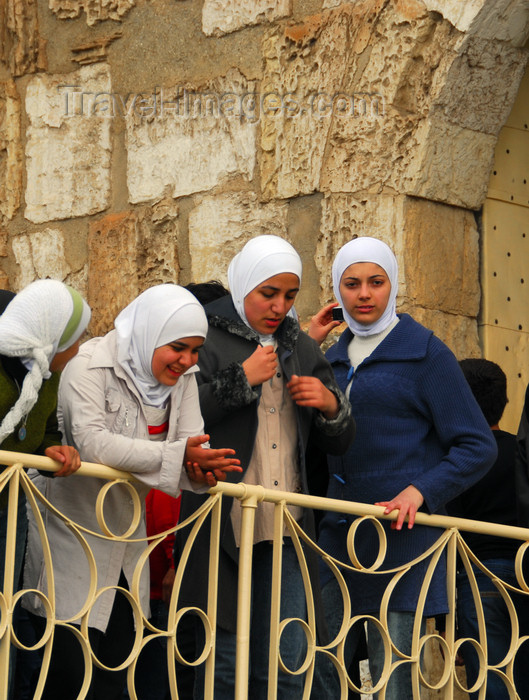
(447, 548)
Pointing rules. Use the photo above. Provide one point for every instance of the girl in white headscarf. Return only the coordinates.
(265, 388)
(39, 332)
(421, 440)
(130, 401)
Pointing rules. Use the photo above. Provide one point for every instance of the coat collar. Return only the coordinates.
(407, 341)
(103, 353)
(222, 314)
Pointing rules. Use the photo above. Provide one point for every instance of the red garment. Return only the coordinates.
(162, 512)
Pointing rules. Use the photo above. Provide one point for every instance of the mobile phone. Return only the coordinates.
(337, 313)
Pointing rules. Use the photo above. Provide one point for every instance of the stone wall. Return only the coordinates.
(144, 141)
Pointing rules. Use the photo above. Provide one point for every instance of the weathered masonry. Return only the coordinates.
(145, 141)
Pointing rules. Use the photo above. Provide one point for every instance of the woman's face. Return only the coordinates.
(365, 290)
(169, 362)
(61, 359)
(267, 305)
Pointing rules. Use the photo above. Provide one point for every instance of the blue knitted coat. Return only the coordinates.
(418, 423)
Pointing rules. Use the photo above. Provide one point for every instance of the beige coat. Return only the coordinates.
(101, 413)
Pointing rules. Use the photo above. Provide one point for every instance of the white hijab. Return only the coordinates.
(46, 317)
(157, 317)
(261, 258)
(367, 249)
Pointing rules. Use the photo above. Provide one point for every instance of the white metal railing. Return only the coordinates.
(449, 544)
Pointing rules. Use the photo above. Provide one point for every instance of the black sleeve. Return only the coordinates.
(521, 466)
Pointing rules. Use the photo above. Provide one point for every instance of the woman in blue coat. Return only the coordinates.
(421, 439)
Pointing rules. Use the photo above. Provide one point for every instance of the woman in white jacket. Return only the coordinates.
(130, 401)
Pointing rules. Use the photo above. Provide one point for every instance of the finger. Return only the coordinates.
(221, 452)
(194, 471)
(390, 508)
(221, 464)
(197, 440)
(210, 479)
(402, 516)
(64, 471)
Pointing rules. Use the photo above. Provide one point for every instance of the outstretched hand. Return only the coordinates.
(207, 466)
(322, 323)
(67, 456)
(407, 503)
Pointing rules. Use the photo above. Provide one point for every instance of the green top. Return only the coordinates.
(42, 429)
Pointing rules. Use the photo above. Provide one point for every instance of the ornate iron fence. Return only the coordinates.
(449, 545)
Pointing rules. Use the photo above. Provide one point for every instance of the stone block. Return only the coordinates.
(301, 62)
(112, 268)
(220, 225)
(440, 254)
(3, 243)
(127, 253)
(373, 97)
(158, 235)
(449, 164)
(68, 148)
(354, 82)
(460, 333)
(495, 20)
(95, 10)
(481, 85)
(410, 146)
(223, 16)
(21, 49)
(192, 140)
(11, 158)
(78, 279)
(4, 280)
(40, 255)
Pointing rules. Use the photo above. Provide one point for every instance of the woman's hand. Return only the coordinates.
(207, 466)
(261, 365)
(310, 391)
(407, 503)
(321, 324)
(67, 456)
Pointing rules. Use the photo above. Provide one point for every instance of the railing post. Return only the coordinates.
(450, 625)
(209, 680)
(9, 575)
(244, 597)
(275, 608)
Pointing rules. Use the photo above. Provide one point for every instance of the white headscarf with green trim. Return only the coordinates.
(44, 318)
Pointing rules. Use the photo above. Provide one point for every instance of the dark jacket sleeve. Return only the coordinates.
(223, 387)
(332, 436)
(521, 466)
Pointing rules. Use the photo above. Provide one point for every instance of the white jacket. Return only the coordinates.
(101, 413)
